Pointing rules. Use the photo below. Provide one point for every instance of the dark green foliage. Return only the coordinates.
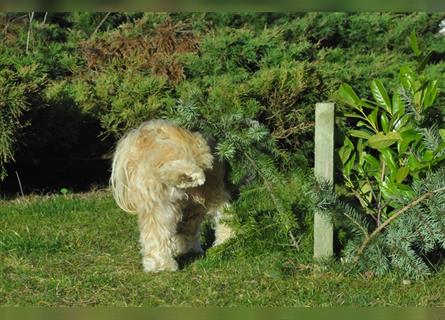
(412, 244)
(20, 85)
(392, 163)
(249, 80)
(136, 66)
(395, 139)
(270, 190)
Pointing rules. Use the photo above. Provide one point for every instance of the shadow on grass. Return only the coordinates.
(207, 239)
(187, 259)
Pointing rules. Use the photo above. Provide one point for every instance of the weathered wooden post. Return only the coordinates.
(324, 169)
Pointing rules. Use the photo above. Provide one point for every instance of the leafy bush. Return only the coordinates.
(19, 82)
(386, 160)
(250, 80)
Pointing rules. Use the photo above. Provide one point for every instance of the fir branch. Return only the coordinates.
(334, 204)
(265, 180)
(275, 200)
(409, 206)
(354, 221)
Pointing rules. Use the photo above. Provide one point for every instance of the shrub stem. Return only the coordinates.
(410, 205)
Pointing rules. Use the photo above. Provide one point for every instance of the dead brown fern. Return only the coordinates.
(156, 51)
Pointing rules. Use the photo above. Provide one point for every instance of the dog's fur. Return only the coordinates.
(168, 177)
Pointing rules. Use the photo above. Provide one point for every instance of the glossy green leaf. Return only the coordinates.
(363, 124)
(425, 59)
(442, 134)
(406, 142)
(363, 134)
(402, 173)
(373, 119)
(366, 190)
(389, 189)
(428, 156)
(353, 115)
(384, 121)
(380, 95)
(430, 94)
(440, 149)
(360, 149)
(397, 104)
(389, 158)
(345, 151)
(413, 163)
(382, 140)
(406, 78)
(348, 96)
(373, 163)
(392, 189)
(368, 104)
(413, 43)
(402, 121)
(349, 165)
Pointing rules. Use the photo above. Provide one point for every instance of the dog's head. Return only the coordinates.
(158, 154)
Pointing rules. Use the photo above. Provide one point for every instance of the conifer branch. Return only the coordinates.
(354, 221)
(266, 182)
(275, 201)
(409, 206)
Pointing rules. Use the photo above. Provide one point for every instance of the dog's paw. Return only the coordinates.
(182, 174)
(186, 245)
(222, 233)
(191, 179)
(197, 249)
(190, 176)
(153, 265)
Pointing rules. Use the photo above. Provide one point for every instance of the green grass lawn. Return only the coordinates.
(79, 250)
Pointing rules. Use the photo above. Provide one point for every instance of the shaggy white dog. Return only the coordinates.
(168, 177)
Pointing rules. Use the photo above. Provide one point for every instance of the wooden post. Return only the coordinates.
(324, 169)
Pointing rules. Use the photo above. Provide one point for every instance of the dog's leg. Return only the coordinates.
(157, 230)
(187, 237)
(222, 231)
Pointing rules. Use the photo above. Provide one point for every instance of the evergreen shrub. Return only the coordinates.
(249, 80)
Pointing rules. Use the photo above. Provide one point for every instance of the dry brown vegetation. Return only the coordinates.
(156, 51)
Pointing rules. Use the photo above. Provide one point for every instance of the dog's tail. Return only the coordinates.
(120, 175)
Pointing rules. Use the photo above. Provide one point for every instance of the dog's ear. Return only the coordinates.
(199, 136)
(202, 153)
(148, 136)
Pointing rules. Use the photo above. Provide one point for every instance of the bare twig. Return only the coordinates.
(295, 243)
(393, 217)
(379, 204)
(31, 17)
(44, 17)
(20, 183)
(100, 25)
(285, 133)
(12, 20)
